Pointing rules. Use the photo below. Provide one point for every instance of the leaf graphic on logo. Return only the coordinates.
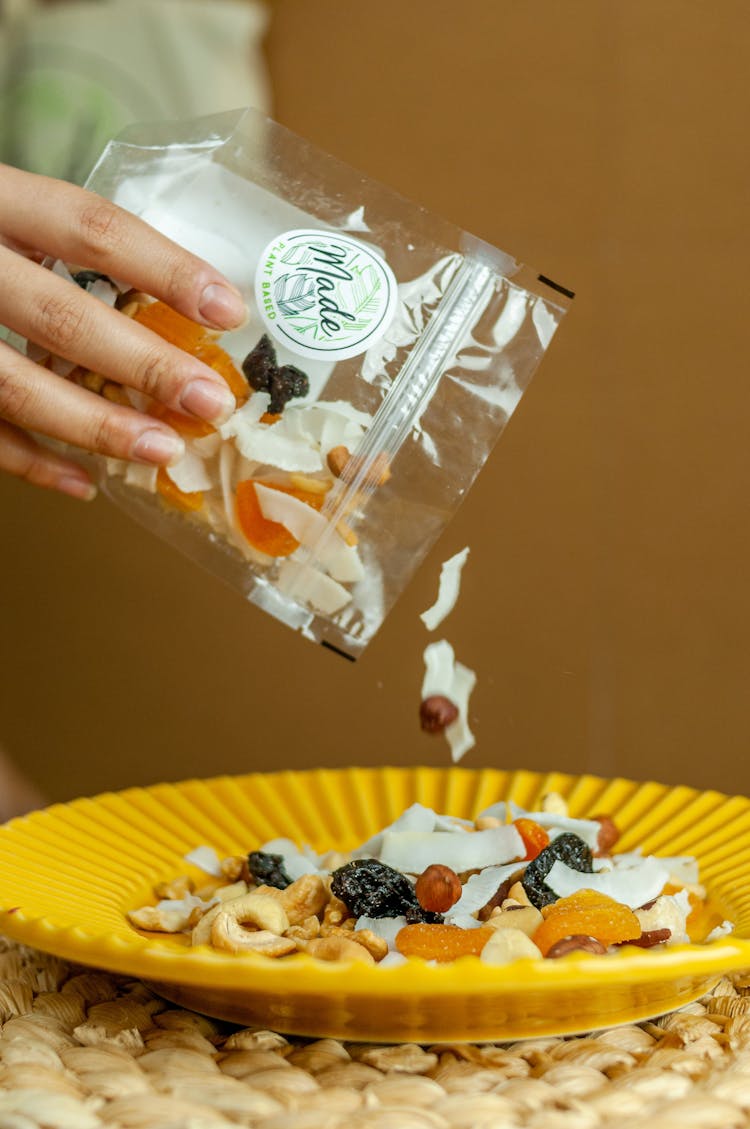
(294, 293)
(361, 297)
(298, 254)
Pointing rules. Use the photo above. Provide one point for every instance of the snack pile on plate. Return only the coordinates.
(509, 885)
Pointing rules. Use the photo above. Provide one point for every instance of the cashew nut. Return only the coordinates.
(229, 935)
(201, 934)
(259, 910)
(303, 898)
(336, 948)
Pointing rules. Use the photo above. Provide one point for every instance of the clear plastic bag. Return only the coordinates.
(417, 340)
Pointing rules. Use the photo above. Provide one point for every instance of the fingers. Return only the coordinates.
(33, 398)
(79, 227)
(67, 321)
(23, 456)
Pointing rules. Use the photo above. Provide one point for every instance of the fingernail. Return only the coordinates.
(77, 487)
(222, 306)
(159, 447)
(209, 400)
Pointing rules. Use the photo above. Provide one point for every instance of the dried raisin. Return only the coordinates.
(268, 869)
(286, 383)
(259, 364)
(372, 889)
(567, 848)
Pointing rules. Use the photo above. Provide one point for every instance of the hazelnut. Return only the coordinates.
(436, 713)
(608, 834)
(337, 459)
(438, 888)
(577, 943)
(344, 466)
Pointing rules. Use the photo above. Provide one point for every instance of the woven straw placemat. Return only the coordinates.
(81, 1049)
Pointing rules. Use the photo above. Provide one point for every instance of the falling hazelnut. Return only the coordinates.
(438, 888)
(436, 713)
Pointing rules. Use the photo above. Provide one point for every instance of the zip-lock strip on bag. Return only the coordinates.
(385, 351)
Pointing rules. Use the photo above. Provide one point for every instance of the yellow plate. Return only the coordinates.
(69, 874)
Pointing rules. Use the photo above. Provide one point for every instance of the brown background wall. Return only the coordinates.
(606, 607)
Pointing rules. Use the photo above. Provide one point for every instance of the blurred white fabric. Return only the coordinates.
(72, 75)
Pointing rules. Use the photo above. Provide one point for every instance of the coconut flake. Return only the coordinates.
(722, 930)
(633, 887)
(465, 921)
(478, 890)
(104, 290)
(144, 477)
(186, 904)
(385, 927)
(586, 829)
(60, 269)
(439, 661)
(414, 851)
(249, 414)
(415, 818)
(310, 528)
(458, 735)
(206, 859)
(683, 869)
(206, 446)
(303, 582)
(269, 444)
(297, 861)
(392, 960)
(190, 474)
(448, 590)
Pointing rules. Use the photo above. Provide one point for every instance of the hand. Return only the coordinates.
(40, 217)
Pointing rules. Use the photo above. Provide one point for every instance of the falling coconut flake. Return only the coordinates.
(448, 590)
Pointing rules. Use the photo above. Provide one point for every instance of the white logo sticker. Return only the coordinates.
(324, 295)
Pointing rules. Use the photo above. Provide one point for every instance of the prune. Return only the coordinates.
(268, 869)
(260, 364)
(372, 889)
(567, 848)
(423, 916)
(286, 383)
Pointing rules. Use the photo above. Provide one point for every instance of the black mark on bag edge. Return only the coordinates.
(337, 650)
(556, 286)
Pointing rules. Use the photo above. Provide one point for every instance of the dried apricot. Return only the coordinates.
(441, 942)
(171, 326)
(535, 838)
(171, 493)
(590, 914)
(220, 361)
(269, 536)
(188, 426)
(196, 340)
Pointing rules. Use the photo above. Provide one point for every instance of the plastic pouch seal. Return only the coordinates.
(384, 352)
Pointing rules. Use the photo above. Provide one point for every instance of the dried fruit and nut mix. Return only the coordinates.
(509, 885)
(383, 354)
